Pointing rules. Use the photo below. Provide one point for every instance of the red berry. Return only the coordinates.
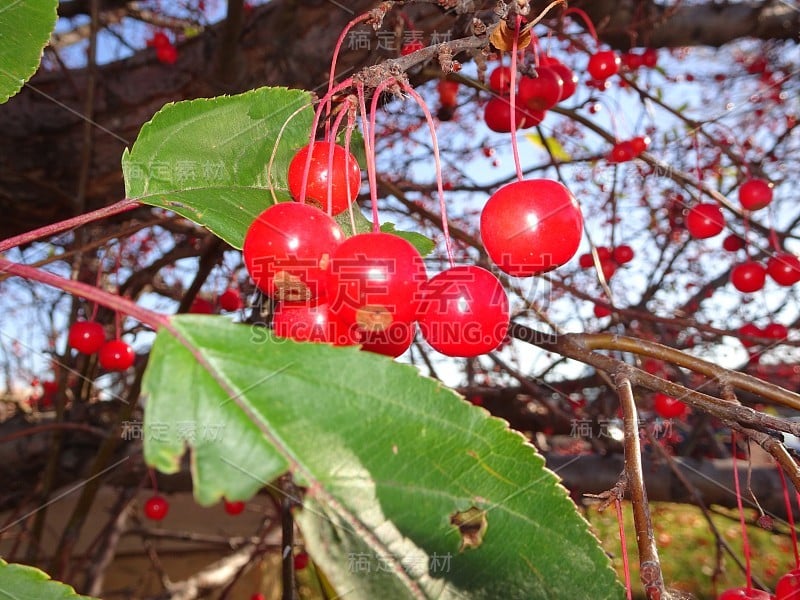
(448, 92)
(167, 54)
(497, 115)
(631, 61)
(608, 267)
(604, 254)
(748, 277)
(374, 281)
(784, 268)
(623, 254)
(705, 220)
(230, 300)
(201, 306)
(650, 57)
(116, 355)
(586, 260)
(603, 65)
(622, 152)
(156, 508)
(158, 40)
(668, 407)
(755, 194)
(258, 597)
(531, 226)
(309, 322)
(392, 341)
(746, 593)
(287, 250)
(464, 312)
(732, 243)
(640, 144)
(345, 171)
(234, 508)
(749, 330)
(500, 80)
(541, 92)
(601, 311)
(568, 78)
(788, 586)
(86, 336)
(300, 561)
(776, 331)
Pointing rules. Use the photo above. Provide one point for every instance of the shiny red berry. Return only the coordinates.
(668, 407)
(603, 65)
(640, 143)
(338, 173)
(201, 306)
(568, 78)
(705, 220)
(392, 341)
(776, 331)
(748, 277)
(755, 194)
(733, 242)
(374, 281)
(623, 254)
(541, 92)
(497, 115)
(650, 57)
(116, 355)
(531, 226)
(230, 300)
(287, 250)
(622, 152)
(86, 336)
(310, 322)
(500, 80)
(464, 312)
(156, 508)
(784, 268)
(788, 586)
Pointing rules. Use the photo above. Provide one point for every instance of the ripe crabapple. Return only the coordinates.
(344, 172)
(86, 336)
(116, 355)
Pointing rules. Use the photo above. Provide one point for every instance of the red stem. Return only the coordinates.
(55, 228)
(745, 540)
(338, 49)
(790, 516)
(438, 166)
(626, 567)
(371, 166)
(89, 292)
(586, 19)
(514, 145)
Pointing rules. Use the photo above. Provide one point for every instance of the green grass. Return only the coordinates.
(688, 550)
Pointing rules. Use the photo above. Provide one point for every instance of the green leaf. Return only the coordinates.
(423, 244)
(22, 582)
(25, 27)
(359, 223)
(208, 159)
(392, 464)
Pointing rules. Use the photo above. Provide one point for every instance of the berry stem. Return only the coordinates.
(790, 517)
(626, 567)
(313, 136)
(589, 25)
(77, 288)
(337, 49)
(331, 144)
(438, 166)
(371, 166)
(745, 541)
(55, 228)
(514, 145)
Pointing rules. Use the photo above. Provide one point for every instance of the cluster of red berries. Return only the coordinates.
(627, 150)
(230, 300)
(166, 52)
(372, 288)
(156, 507)
(631, 60)
(751, 276)
(552, 82)
(610, 260)
(89, 337)
(773, 331)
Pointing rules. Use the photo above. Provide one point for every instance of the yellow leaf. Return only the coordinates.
(556, 149)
